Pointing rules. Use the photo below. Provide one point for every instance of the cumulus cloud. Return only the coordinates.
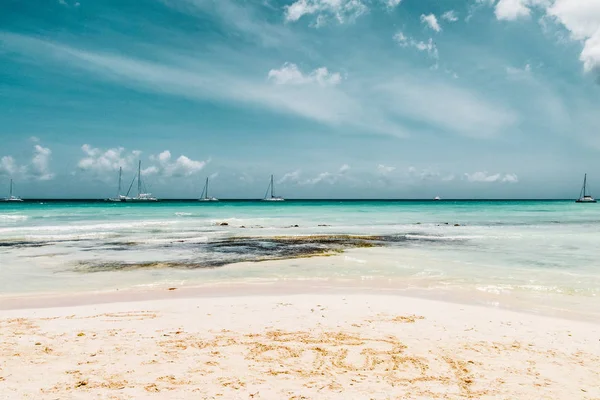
(431, 21)
(392, 3)
(429, 46)
(511, 10)
(103, 162)
(340, 10)
(581, 18)
(485, 177)
(38, 168)
(385, 170)
(290, 74)
(293, 177)
(182, 166)
(450, 16)
(328, 177)
(40, 164)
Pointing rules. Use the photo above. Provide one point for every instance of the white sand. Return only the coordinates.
(295, 347)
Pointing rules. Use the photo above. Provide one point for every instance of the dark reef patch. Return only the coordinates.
(237, 249)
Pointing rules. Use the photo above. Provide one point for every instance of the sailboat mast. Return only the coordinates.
(119, 189)
(584, 185)
(11, 190)
(272, 186)
(206, 192)
(139, 178)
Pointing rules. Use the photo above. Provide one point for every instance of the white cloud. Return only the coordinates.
(9, 167)
(102, 163)
(429, 46)
(450, 16)
(289, 74)
(182, 166)
(511, 10)
(488, 178)
(385, 170)
(293, 177)
(341, 10)
(38, 168)
(517, 73)
(581, 18)
(41, 163)
(392, 3)
(328, 177)
(431, 21)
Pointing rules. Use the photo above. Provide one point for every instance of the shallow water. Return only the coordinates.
(498, 247)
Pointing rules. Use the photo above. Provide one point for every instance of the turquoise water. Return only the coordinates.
(499, 247)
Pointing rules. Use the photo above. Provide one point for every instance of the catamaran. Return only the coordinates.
(10, 194)
(272, 197)
(204, 196)
(141, 196)
(119, 197)
(583, 196)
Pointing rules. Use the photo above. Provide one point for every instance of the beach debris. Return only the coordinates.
(223, 224)
(172, 288)
(81, 334)
(323, 225)
(81, 383)
(456, 224)
(38, 344)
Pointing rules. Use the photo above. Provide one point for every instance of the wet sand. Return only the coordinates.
(337, 346)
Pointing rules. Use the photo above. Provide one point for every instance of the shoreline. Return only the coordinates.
(295, 346)
(553, 306)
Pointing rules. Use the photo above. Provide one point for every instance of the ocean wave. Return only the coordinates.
(183, 214)
(13, 217)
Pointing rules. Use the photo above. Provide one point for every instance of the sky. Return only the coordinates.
(336, 98)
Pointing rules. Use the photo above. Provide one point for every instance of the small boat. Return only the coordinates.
(10, 195)
(142, 196)
(272, 197)
(437, 198)
(583, 196)
(120, 197)
(204, 196)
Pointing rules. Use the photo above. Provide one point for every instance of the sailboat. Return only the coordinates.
(141, 196)
(119, 197)
(583, 196)
(204, 196)
(272, 197)
(10, 194)
(437, 198)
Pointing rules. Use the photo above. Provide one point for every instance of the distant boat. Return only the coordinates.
(272, 197)
(437, 198)
(142, 196)
(204, 196)
(119, 197)
(583, 196)
(10, 194)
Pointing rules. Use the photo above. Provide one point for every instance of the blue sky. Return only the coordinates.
(337, 98)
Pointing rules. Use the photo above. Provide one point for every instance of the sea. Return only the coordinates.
(540, 256)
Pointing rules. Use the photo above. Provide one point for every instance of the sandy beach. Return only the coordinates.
(325, 346)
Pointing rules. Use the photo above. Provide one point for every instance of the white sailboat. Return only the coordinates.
(11, 197)
(437, 198)
(204, 196)
(272, 197)
(583, 196)
(119, 197)
(141, 195)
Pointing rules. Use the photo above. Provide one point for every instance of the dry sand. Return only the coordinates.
(295, 347)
